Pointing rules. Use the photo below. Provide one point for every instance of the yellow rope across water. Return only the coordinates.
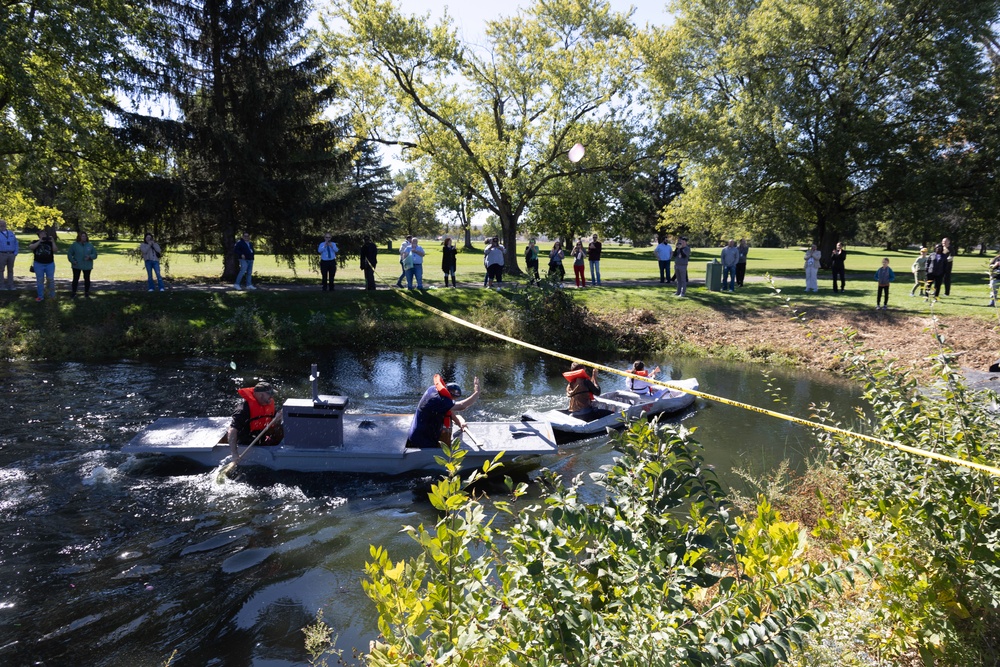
(982, 467)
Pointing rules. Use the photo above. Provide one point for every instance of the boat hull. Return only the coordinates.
(372, 444)
(623, 407)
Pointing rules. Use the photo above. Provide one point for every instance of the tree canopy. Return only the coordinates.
(249, 151)
(808, 116)
(498, 120)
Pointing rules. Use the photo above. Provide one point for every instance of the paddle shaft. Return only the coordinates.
(260, 435)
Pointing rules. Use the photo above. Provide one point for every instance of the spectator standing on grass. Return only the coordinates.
(919, 269)
(44, 265)
(681, 257)
(449, 261)
(730, 258)
(994, 269)
(8, 253)
(664, 253)
(837, 266)
(531, 260)
(81, 255)
(594, 257)
(741, 264)
(949, 259)
(244, 253)
(151, 253)
(327, 261)
(416, 264)
(579, 272)
(404, 252)
(369, 260)
(935, 270)
(556, 255)
(812, 269)
(883, 277)
(493, 258)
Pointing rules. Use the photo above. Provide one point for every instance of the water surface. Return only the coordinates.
(112, 561)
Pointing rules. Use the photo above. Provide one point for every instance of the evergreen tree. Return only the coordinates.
(247, 150)
(370, 191)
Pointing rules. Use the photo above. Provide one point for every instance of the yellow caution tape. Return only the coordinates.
(991, 470)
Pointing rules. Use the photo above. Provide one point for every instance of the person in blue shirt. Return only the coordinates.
(884, 276)
(432, 422)
(244, 253)
(328, 261)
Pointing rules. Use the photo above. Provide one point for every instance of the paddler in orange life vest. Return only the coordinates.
(436, 410)
(254, 414)
(639, 386)
(581, 391)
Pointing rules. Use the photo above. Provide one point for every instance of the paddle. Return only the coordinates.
(235, 462)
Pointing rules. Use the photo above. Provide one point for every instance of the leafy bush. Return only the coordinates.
(659, 573)
(937, 525)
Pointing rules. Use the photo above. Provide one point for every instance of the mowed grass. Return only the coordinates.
(630, 276)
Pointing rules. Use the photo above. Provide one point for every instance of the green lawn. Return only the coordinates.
(118, 262)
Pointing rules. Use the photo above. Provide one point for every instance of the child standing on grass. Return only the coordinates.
(884, 276)
(919, 269)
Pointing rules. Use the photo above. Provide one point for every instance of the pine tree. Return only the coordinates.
(247, 149)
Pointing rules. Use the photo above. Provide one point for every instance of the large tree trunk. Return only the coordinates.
(508, 225)
(230, 265)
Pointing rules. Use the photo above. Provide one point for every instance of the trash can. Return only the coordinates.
(713, 275)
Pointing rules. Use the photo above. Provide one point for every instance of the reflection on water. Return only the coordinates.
(108, 560)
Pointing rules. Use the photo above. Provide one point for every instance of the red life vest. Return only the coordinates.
(260, 415)
(442, 390)
(578, 374)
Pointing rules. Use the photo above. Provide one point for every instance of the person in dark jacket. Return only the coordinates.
(837, 266)
(432, 421)
(369, 260)
(244, 253)
(936, 263)
(449, 261)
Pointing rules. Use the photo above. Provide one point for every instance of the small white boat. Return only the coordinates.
(319, 436)
(616, 408)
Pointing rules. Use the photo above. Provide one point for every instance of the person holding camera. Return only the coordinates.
(44, 266)
(151, 254)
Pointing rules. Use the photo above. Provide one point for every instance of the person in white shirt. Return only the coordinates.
(328, 261)
(404, 251)
(664, 253)
(415, 257)
(8, 253)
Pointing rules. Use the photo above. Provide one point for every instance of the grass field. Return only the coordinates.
(634, 269)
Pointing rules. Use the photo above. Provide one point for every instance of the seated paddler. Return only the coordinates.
(581, 390)
(254, 415)
(432, 422)
(641, 386)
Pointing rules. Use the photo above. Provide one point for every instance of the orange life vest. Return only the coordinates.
(578, 374)
(260, 415)
(442, 390)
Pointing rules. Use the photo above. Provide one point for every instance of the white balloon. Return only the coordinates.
(576, 153)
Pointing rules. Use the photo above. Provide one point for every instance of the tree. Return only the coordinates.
(60, 63)
(369, 213)
(808, 114)
(249, 151)
(498, 120)
(413, 209)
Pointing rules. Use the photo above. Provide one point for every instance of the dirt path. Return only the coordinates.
(910, 339)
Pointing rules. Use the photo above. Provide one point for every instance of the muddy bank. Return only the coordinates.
(774, 335)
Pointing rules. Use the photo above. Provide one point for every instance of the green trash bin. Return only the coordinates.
(713, 275)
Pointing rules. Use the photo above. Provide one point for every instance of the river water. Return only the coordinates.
(107, 560)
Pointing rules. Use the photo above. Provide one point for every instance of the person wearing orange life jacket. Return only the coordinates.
(435, 412)
(253, 416)
(639, 386)
(581, 391)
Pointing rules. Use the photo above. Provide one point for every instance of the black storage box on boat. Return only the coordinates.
(314, 424)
